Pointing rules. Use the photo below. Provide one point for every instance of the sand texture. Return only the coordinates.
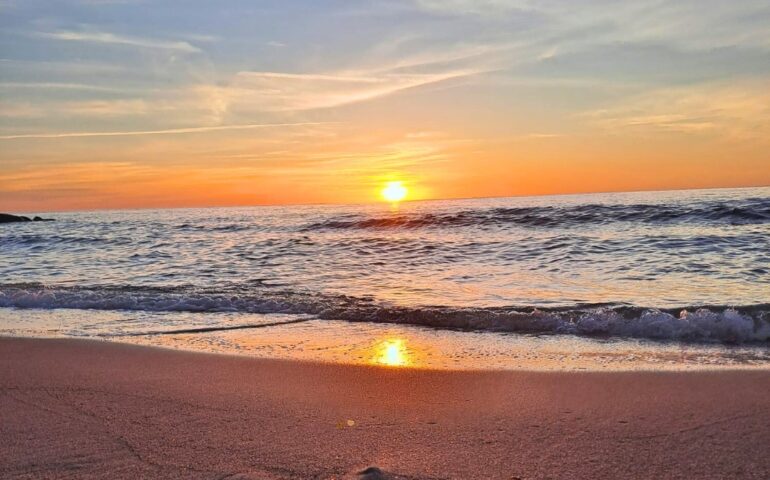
(85, 409)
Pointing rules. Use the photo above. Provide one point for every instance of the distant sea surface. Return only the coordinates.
(689, 267)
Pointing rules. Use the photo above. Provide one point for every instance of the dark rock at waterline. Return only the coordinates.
(8, 218)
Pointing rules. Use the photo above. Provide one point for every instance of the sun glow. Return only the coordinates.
(392, 353)
(394, 191)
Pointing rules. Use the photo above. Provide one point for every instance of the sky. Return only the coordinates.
(135, 104)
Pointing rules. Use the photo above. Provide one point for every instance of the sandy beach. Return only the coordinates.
(87, 409)
(384, 240)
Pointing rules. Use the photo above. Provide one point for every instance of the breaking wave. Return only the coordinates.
(723, 324)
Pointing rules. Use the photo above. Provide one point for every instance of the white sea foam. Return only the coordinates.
(729, 325)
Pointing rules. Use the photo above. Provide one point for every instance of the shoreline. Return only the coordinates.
(76, 408)
(172, 348)
(524, 353)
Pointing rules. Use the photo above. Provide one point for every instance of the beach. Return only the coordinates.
(93, 409)
(384, 240)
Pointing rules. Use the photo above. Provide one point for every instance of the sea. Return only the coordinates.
(616, 281)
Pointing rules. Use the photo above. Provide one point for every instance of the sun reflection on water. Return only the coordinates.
(392, 352)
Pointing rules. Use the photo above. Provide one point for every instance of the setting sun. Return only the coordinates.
(394, 191)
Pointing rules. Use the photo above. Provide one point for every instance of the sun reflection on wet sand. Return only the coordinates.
(405, 347)
(392, 352)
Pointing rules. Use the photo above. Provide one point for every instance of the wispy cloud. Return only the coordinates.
(172, 131)
(85, 109)
(471, 7)
(20, 110)
(698, 24)
(57, 176)
(111, 38)
(58, 86)
(736, 111)
(287, 92)
(306, 93)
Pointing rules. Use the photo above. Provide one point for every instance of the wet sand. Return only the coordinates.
(86, 409)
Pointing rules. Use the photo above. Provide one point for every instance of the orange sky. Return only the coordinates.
(432, 167)
(280, 105)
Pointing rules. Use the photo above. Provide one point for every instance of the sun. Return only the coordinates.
(394, 191)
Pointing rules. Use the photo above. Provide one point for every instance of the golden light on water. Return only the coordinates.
(392, 353)
(394, 191)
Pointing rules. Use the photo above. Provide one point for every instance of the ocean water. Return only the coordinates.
(675, 278)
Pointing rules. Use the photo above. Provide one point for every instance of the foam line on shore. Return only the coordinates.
(696, 323)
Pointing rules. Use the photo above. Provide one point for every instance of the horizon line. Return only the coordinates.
(311, 204)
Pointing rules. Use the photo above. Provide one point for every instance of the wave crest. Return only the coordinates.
(689, 324)
(743, 212)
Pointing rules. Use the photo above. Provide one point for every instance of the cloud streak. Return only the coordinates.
(59, 86)
(310, 92)
(737, 111)
(111, 38)
(172, 131)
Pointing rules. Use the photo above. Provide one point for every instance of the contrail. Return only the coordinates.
(172, 131)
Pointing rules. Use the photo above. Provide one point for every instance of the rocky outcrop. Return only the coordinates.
(8, 218)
